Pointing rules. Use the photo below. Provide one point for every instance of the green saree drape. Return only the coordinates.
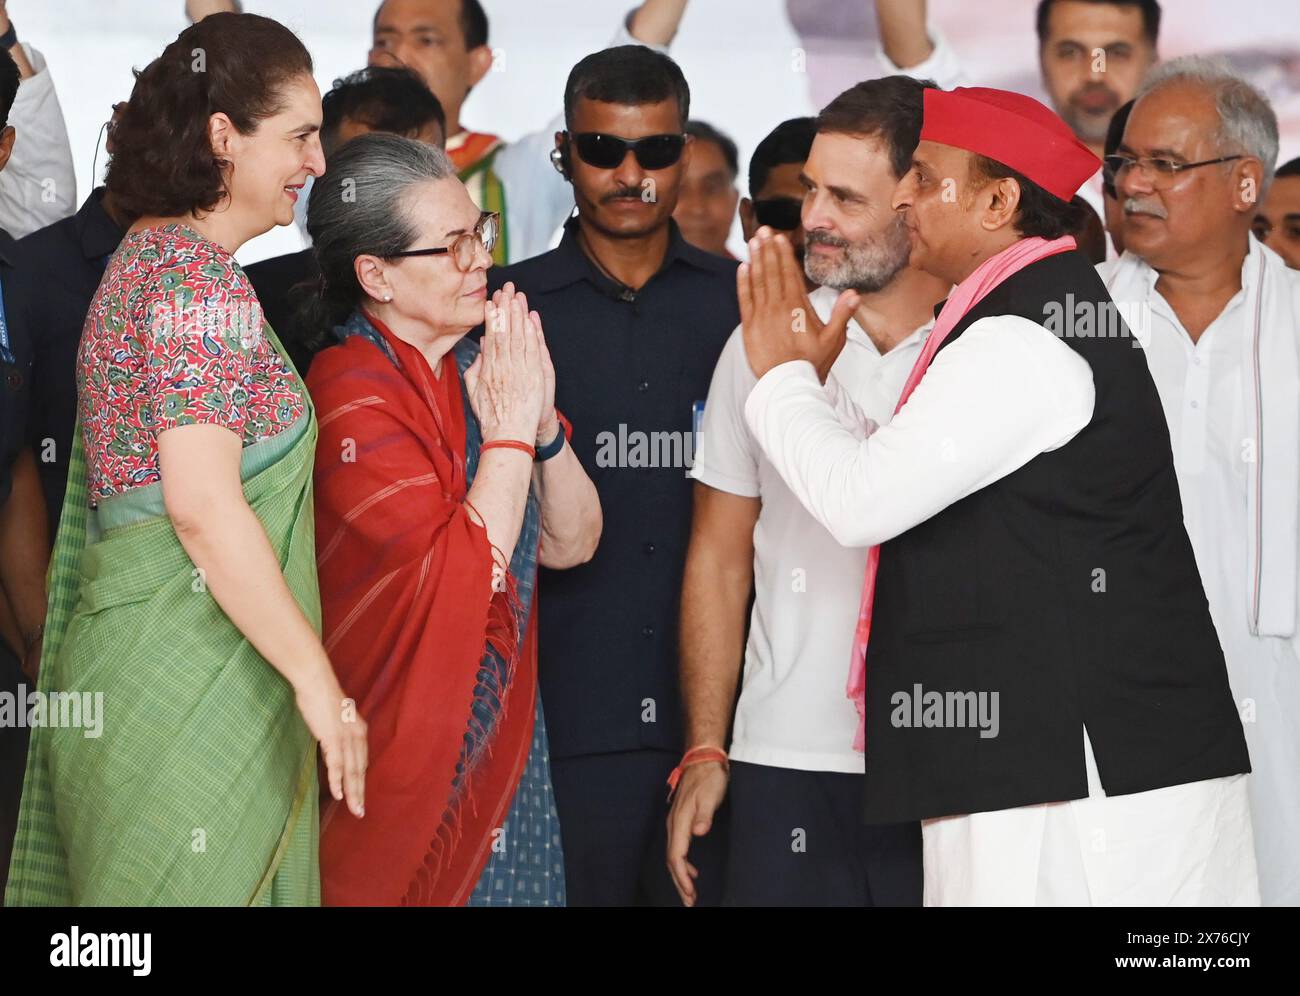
(201, 789)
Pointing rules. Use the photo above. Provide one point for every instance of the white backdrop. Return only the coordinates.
(91, 46)
(747, 65)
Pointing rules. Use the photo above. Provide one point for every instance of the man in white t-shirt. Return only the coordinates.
(795, 835)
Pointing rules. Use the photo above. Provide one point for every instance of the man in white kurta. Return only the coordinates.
(1229, 380)
(1006, 393)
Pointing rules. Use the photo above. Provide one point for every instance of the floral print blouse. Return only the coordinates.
(174, 336)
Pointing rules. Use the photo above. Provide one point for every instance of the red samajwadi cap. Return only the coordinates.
(1013, 129)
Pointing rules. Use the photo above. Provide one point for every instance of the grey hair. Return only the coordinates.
(1247, 123)
(360, 207)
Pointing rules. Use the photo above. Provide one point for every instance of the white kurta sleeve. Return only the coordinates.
(942, 66)
(1005, 391)
(851, 416)
(538, 199)
(38, 185)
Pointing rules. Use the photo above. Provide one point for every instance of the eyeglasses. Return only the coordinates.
(462, 250)
(1163, 172)
(608, 151)
(784, 214)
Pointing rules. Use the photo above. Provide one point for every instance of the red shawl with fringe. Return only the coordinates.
(408, 612)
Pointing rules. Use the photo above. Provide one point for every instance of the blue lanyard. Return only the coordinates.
(6, 354)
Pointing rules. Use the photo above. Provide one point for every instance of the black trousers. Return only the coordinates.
(13, 760)
(797, 839)
(613, 824)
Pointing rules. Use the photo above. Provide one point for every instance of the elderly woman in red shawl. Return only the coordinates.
(443, 477)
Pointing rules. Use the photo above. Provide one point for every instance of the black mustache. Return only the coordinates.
(625, 194)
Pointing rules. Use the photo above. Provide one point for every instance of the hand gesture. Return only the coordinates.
(780, 323)
(506, 383)
(549, 424)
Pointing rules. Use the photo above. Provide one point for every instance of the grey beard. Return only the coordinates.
(865, 267)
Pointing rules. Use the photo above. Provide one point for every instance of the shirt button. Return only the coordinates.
(649, 548)
(1196, 404)
(647, 631)
(1196, 360)
(643, 386)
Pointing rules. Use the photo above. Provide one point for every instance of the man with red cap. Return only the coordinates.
(1038, 672)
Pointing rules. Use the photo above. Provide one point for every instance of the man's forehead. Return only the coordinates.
(849, 162)
(1098, 24)
(708, 157)
(1285, 192)
(626, 120)
(782, 180)
(1178, 113)
(930, 153)
(831, 147)
(406, 15)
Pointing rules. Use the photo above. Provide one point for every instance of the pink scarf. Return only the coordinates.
(965, 296)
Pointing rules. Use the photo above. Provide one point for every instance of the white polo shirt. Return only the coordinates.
(793, 712)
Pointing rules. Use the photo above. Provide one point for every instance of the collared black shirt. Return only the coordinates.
(628, 373)
(276, 282)
(56, 272)
(15, 375)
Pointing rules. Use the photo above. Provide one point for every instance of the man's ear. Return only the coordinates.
(1247, 185)
(748, 223)
(480, 61)
(371, 277)
(1001, 202)
(7, 137)
(560, 156)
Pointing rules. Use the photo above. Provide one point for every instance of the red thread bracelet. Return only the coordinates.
(696, 755)
(509, 444)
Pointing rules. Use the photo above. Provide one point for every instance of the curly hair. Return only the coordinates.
(236, 64)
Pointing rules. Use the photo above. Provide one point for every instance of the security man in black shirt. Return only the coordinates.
(635, 320)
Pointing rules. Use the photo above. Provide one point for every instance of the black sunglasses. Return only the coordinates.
(608, 151)
(784, 214)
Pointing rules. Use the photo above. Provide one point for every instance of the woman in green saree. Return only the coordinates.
(183, 585)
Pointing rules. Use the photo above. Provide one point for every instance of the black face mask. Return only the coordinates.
(781, 213)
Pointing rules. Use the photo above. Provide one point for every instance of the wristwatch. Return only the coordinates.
(552, 448)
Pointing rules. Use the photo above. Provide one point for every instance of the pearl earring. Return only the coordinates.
(388, 297)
